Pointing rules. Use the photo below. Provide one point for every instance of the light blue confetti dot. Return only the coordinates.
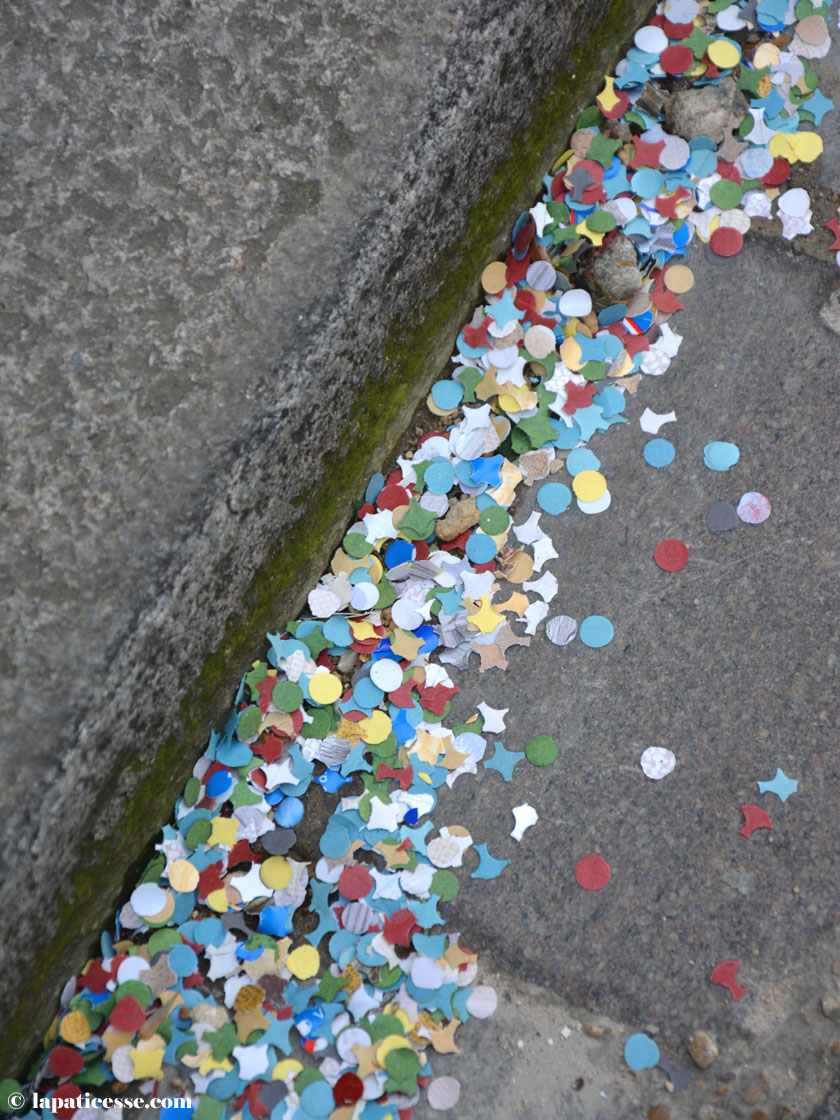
(447, 394)
(582, 459)
(720, 456)
(648, 182)
(554, 497)
(641, 1052)
(659, 453)
(480, 548)
(317, 1098)
(596, 631)
(183, 961)
(289, 812)
(440, 478)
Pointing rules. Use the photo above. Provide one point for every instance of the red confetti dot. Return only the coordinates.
(779, 173)
(671, 555)
(69, 1093)
(65, 1061)
(128, 1015)
(592, 873)
(677, 30)
(726, 241)
(676, 60)
(347, 1090)
(392, 497)
(355, 882)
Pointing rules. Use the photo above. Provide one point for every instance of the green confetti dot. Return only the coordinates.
(287, 696)
(249, 723)
(445, 884)
(541, 750)
(321, 724)
(594, 371)
(11, 1097)
(601, 221)
(725, 194)
(141, 992)
(163, 940)
(356, 545)
(192, 791)
(494, 520)
(199, 833)
(384, 1026)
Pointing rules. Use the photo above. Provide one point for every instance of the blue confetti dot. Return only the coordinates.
(641, 1052)
(219, 783)
(648, 182)
(480, 548)
(720, 456)
(317, 1098)
(183, 961)
(289, 812)
(400, 552)
(439, 478)
(596, 631)
(582, 459)
(658, 453)
(447, 395)
(554, 497)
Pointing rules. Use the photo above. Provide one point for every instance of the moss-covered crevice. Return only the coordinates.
(415, 352)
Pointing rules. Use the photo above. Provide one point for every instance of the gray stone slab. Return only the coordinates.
(731, 663)
(239, 237)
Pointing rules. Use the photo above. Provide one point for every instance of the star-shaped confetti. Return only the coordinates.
(781, 785)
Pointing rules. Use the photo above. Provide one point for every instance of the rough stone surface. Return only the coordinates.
(221, 218)
(830, 312)
(710, 111)
(613, 271)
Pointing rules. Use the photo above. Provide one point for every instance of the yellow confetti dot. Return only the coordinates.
(589, 485)
(494, 277)
(375, 728)
(147, 1063)
(724, 54)
(304, 961)
(392, 1042)
(223, 832)
(218, 901)
(571, 354)
(183, 876)
(75, 1028)
(325, 688)
(807, 145)
(276, 872)
(679, 279)
(282, 1070)
(780, 145)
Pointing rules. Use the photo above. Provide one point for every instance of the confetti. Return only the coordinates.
(541, 750)
(754, 818)
(753, 508)
(641, 1052)
(780, 784)
(592, 873)
(658, 453)
(724, 974)
(561, 629)
(596, 631)
(720, 456)
(657, 762)
(721, 517)
(671, 555)
(525, 817)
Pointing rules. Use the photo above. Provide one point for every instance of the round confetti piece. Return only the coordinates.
(183, 876)
(64, 1061)
(317, 1099)
(147, 899)
(494, 520)
(276, 872)
(348, 1089)
(426, 973)
(671, 555)
(722, 517)
(539, 341)
(675, 155)
(581, 459)
(719, 455)
(596, 631)
(554, 497)
(725, 194)
(494, 277)
(183, 961)
(482, 1001)
(364, 596)
(127, 1015)
(480, 548)
(445, 884)
(561, 630)
(753, 508)
(592, 873)
(641, 1052)
(726, 241)
(447, 394)
(355, 883)
(75, 1028)
(541, 750)
(598, 506)
(325, 688)
(541, 276)
(658, 453)
(679, 279)
(289, 812)
(575, 303)
(657, 762)
(589, 485)
(813, 30)
(443, 1093)
(807, 146)
(651, 40)
(648, 182)
(386, 674)
(303, 962)
(249, 723)
(676, 59)
(795, 202)
(724, 53)
(375, 728)
(440, 478)
(735, 219)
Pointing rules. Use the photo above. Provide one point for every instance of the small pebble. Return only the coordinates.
(703, 1049)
